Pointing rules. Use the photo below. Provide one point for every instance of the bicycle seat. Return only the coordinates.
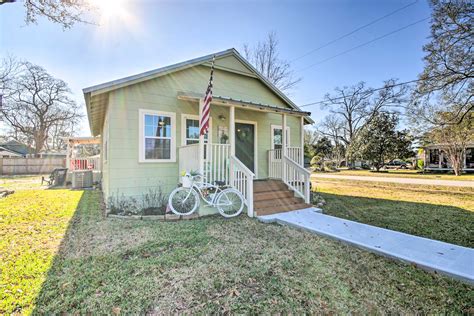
(219, 183)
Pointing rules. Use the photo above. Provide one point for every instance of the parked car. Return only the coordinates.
(396, 164)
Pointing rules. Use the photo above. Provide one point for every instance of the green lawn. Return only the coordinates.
(443, 213)
(402, 174)
(26, 182)
(60, 254)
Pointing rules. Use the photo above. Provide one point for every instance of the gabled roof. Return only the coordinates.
(103, 88)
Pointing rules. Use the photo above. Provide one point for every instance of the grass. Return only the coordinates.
(32, 224)
(407, 173)
(23, 182)
(442, 213)
(60, 254)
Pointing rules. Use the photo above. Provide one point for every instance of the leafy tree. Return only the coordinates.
(323, 147)
(379, 141)
(37, 107)
(447, 82)
(454, 139)
(265, 58)
(63, 12)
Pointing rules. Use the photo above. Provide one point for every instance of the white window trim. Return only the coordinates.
(272, 129)
(184, 117)
(141, 141)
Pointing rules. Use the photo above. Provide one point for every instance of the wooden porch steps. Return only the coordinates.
(273, 196)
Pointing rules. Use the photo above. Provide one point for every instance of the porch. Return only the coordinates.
(436, 159)
(236, 159)
(79, 159)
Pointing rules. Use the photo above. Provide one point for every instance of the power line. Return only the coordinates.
(363, 44)
(372, 90)
(354, 31)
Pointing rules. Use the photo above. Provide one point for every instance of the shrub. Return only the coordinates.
(152, 202)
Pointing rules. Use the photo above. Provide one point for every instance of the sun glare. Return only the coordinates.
(109, 10)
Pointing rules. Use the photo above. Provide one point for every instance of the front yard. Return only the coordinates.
(403, 173)
(442, 213)
(60, 254)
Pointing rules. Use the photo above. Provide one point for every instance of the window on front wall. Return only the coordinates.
(277, 137)
(190, 130)
(158, 130)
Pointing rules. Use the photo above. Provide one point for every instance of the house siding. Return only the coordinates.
(124, 174)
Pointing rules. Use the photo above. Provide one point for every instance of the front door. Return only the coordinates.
(245, 144)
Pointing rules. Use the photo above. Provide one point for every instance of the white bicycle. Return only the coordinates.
(185, 200)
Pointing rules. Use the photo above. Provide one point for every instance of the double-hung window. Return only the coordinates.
(190, 130)
(157, 136)
(277, 137)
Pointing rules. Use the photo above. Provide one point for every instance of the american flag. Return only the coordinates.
(206, 109)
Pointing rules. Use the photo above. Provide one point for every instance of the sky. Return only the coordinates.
(133, 36)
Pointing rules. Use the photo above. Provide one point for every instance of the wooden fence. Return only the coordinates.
(16, 166)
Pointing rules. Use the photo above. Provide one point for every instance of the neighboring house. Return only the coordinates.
(149, 126)
(12, 149)
(435, 158)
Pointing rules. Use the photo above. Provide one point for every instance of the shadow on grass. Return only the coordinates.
(446, 223)
(89, 204)
(105, 263)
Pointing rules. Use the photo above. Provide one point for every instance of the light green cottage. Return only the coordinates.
(149, 129)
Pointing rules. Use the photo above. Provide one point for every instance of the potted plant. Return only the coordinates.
(187, 178)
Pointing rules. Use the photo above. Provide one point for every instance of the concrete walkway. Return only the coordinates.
(451, 183)
(432, 255)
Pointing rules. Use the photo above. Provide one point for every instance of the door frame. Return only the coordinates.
(255, 144)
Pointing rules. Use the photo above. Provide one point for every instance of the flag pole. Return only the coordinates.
(201, 141)
(204, 117)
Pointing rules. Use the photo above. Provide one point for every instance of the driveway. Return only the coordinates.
(452, 183)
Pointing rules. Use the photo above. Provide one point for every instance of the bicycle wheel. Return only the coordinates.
(230, 203)
(183, 201)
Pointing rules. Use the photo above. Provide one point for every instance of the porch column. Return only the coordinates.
(302, 142)
(231, 142)
(201, 141)
(283, 146)
(440, 158)
(232, 130)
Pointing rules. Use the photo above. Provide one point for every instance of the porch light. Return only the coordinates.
(221, 117)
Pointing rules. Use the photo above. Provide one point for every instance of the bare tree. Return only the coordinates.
(265, 58)
(354, 107)
(333, 128)
(36, 105)
(63, 12)
(447, 82)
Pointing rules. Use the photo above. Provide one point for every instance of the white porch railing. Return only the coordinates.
(188, 157)
(274, 160)
(296, 177)
(92, 163)
(242, 180)
(216, 162)
(220, 166)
